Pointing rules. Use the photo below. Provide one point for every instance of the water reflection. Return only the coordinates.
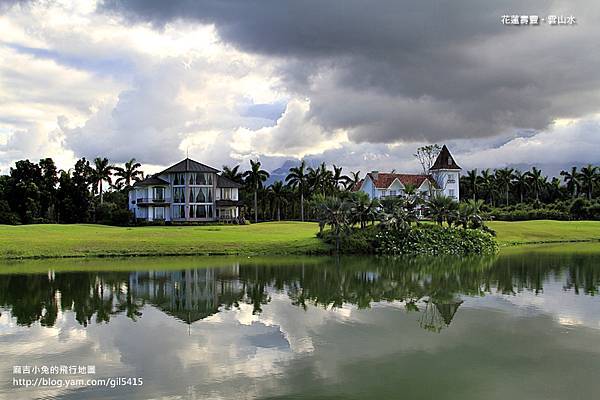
(434, 288)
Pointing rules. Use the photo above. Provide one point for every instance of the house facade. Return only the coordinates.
(188, 191)
(443, 178)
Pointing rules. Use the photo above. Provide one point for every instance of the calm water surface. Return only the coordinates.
(510, 327)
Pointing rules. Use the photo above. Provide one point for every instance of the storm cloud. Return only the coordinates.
(394, 71)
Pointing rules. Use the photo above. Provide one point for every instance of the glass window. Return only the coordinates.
(226, 194)
(159, 193)
(451, 192)
(178, 195)
(200, 211)
(392, 192)
(159, 213)
(178, 212)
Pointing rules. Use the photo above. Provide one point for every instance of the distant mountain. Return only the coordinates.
(280, 173)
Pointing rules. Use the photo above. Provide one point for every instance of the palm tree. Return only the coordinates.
(521, 182)
(473, 182)
(504, 177)
(298, 178)
(278, 193)
(102, 171)
(233, 174)
(470, 213)
(488, 184)
(352, 180)
(572, 181)
(337, 177)
(335, 213)
(537, 181)
(254, 178)
(589, 177)
(442, 208)
(128, 173)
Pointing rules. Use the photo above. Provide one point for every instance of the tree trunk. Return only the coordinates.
(507, 194)
(278, 212)
(256, 206)
(301, 205)
(101, 197)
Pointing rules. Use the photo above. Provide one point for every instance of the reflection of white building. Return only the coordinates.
(189, 295)
(443, 178)
(186, 191)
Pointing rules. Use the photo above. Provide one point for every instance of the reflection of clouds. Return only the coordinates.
(565, 307)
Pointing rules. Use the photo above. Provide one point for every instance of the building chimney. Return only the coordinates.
(375, 174)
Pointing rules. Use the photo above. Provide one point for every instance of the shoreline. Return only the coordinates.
(47, 242)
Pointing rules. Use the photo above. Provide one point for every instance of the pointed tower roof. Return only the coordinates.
(444, 160)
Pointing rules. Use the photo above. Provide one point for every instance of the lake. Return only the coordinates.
(517, 326)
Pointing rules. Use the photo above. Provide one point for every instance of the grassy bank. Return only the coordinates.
(284, 238)
(30, 241)
(545, 231)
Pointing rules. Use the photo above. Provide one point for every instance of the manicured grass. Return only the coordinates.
(528, 232)
(274, 238)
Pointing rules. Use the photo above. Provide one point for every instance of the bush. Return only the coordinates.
(6, 215)
(423, 240)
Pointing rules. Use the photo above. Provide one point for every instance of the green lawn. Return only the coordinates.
(28, 241)
(523, 232)
(273, 238)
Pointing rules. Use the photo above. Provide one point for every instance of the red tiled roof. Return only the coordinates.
(384, 180)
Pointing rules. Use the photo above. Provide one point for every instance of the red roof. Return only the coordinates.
(384, 180)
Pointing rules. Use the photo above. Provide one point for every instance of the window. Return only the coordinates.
(178, 212)
(200, 178)
(179, 179)
(159, 193)
(159, 213)
(178, 195)
(392, 193)
(201, 195)
(226, 194)
(449, 161)
(451, 192)
(201, 211)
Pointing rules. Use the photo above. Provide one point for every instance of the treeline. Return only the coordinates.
(510, 194)
(40, 193)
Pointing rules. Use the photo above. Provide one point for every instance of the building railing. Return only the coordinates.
(151, 200)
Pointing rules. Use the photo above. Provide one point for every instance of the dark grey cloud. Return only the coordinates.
(405, 70)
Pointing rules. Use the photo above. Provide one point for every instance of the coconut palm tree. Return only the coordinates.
(521, 183)
(128, 173)
(504, 177)
(470, 213)
(488, 184)
(233, 174)
(298, 178)
(441, 208)
(254, 179)
(102, 171)
(473, 182)
(588, 177)
(572, 181)
(335, 213)
(352, 180)
(337, 177)
(537, 182)
(278, 193)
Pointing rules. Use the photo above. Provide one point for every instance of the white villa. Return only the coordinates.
(186, 192)
(443, 178)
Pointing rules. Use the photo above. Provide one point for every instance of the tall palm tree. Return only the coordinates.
(504, 177)
(337, 177)
(352, 180)
(488, 184)
(298, 178)
(278, 193)
(130, 172)
(254, 178)
(572, 181)
(588, 177)
(521, 182)
(233, 174)
(473, 182)
(441, 208)
(470, 213)
(102, 171)
(537, 181)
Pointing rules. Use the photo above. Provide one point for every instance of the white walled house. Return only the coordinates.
(185, 192)
(443, 178)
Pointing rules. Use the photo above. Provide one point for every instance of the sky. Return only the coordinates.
(355, 83)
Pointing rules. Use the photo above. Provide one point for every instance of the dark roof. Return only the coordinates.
(384, 180)
(444, 160)
(188, 165)
(151, 180)
(224, 182)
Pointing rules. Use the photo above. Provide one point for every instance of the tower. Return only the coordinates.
(446, 173)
